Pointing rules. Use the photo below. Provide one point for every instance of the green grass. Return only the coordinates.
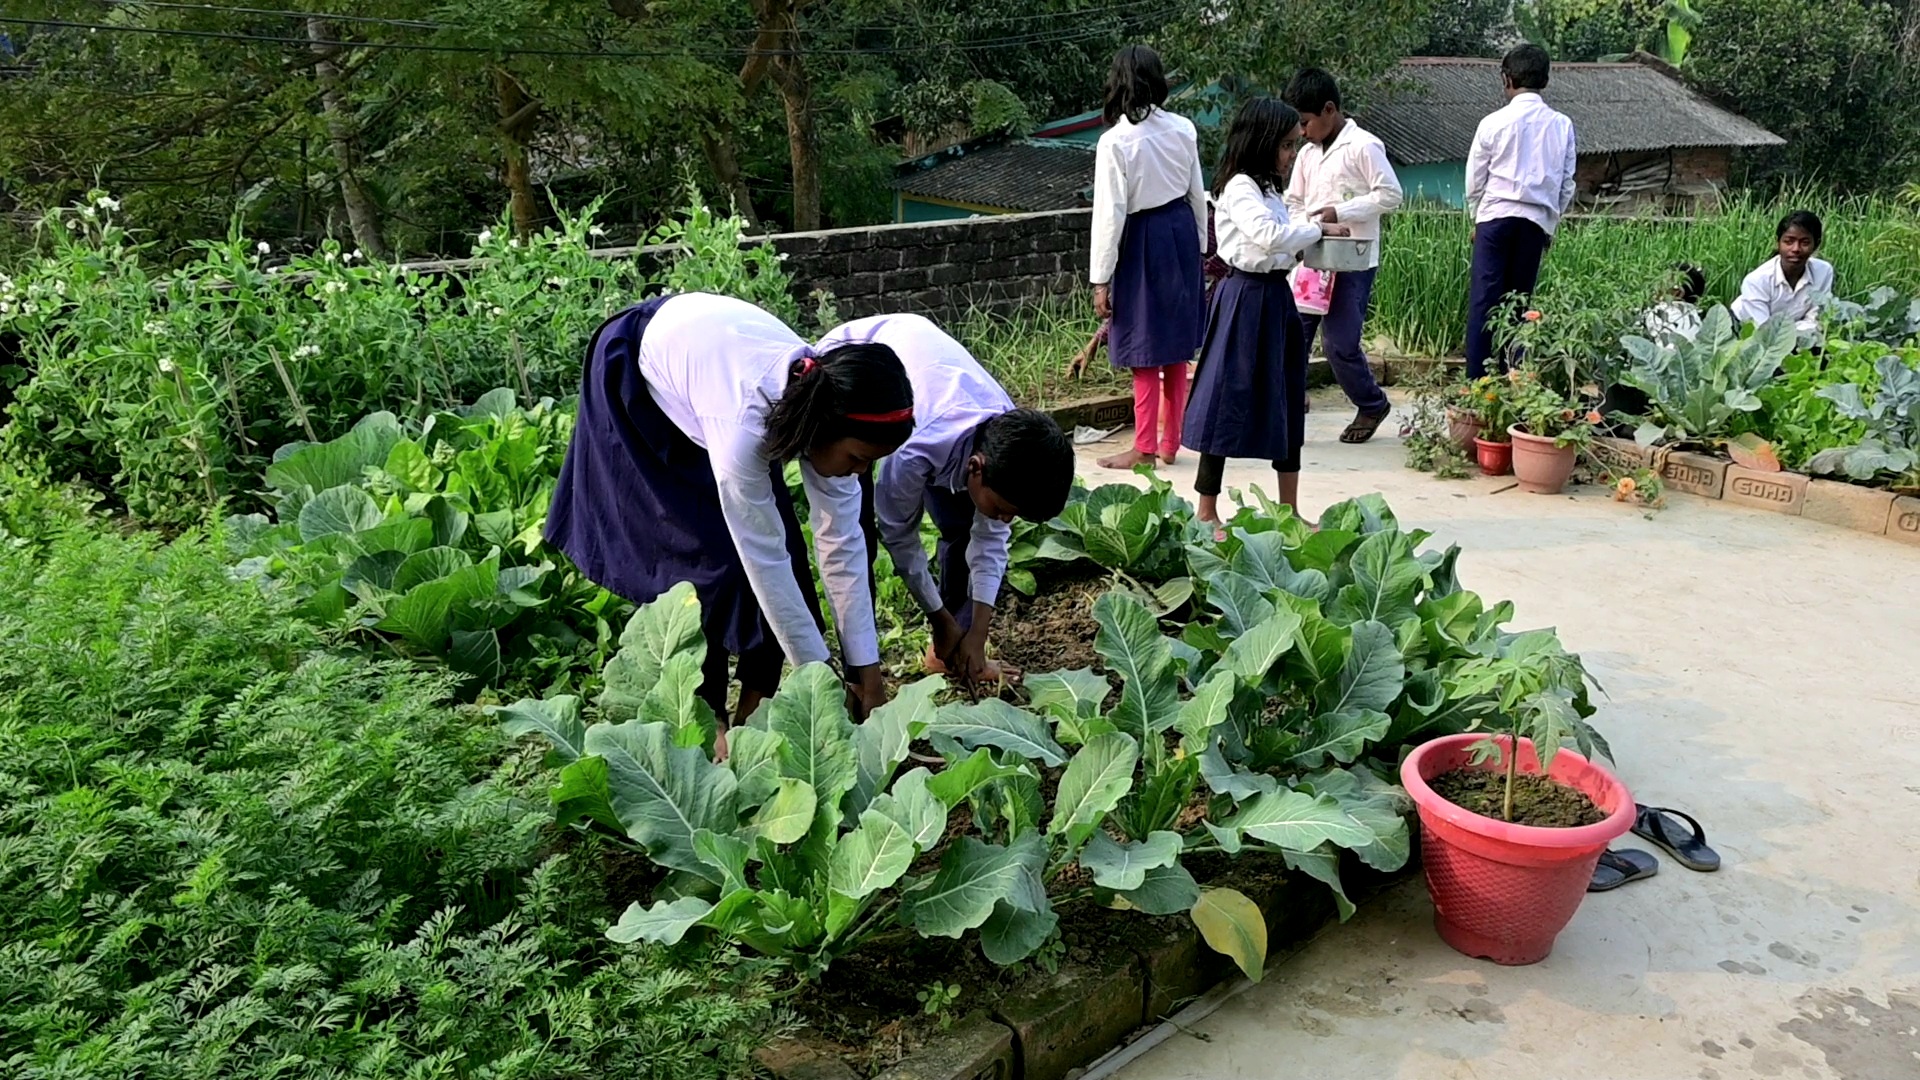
(1028, 350)
(1420, 298)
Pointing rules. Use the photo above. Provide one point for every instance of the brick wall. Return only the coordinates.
(940, 269)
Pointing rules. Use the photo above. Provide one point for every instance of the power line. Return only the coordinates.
(1050, 38)
(1120, 9)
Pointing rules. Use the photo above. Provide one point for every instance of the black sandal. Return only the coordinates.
(1363, 427)
(1689, 849)
(1616, 868)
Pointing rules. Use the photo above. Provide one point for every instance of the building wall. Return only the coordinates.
(1444, 182)
(1695, 170)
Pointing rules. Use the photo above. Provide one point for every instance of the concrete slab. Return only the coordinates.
(1764, 675)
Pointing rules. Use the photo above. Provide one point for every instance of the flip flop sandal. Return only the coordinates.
(1363, 427)
(1616, 868)
(1656, 823)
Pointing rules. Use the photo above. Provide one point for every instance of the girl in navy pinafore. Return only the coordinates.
(690, 406)
(1250, 392)
(1149, 229)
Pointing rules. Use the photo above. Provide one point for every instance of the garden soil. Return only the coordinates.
(1537, 800)
(1759, 674)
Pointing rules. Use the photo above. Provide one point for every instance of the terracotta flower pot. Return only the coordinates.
(1539, 465)
(1503, 892)
(1496, 458)
(1463, 428)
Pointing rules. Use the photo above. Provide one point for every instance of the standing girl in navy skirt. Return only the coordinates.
(1250, 395)
(690, 407)
(1149, 229)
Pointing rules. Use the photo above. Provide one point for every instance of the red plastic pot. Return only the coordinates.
(1540, 465)
(1496, 458)
(1503, 892)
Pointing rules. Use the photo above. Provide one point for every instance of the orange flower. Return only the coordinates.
(1566, 416)
(1490, 395)
(1624, 488)
(1533, 316)
(1594, 417)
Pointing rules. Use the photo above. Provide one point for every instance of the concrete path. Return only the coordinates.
(1764, 675)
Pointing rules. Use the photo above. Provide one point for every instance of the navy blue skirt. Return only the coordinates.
(636, 507)
(1159, 305)
(1249, 396)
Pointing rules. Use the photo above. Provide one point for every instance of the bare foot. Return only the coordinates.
(1219, 529)
(720, 747)
(1166, 459)
(1126, 460)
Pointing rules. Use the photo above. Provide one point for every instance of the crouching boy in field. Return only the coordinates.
(973, 463)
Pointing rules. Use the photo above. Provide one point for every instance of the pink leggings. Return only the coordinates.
(1159, 404)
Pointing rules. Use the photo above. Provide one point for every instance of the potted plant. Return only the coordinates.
(1511, 824)
(1491, 396)
(1548, 433)
(1464, 424)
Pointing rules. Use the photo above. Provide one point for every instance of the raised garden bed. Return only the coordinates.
(1123, 975)
(1877, 511)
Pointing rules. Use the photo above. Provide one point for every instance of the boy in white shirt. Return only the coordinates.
(1342, 176)
(1520, 181)
(1793, 283)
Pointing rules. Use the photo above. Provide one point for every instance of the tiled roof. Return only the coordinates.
(1429, 107)
(1020, 175)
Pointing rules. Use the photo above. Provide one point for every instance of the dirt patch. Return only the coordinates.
(1537, 800)
(1051, 631)
(866, 1004)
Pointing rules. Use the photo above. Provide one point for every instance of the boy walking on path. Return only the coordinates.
(1519, 184)
(1342, 176)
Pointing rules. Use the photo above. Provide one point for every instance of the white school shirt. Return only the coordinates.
(1672, 319)
(1140, 167)
(952, 396)
(1522, 164)
(1765, 293)
(1353, 176)
(715, 366)
(1254, 232)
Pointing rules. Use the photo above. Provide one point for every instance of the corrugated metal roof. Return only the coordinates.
(1025, 175)
(1429, 107)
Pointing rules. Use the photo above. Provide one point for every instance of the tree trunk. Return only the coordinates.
(718, 146)
(362, 216)
(517, 114)
(776, 53)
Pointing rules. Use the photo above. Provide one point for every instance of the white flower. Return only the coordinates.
(514, 243)
(106, 203)
(305, 351)
(354, 254)
(557, 282)
(486, 236)
(155, 327)
(414, 290)
(263, 248)
(5, 307)
(166, 365)
(783, 256)
(59, 287)
(72, 225)
(328, 255)
(499, 311)
(596, 231)
(335, 286)
(89, 213)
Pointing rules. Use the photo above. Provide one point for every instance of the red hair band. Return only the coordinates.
(807, 364)
(893, 417)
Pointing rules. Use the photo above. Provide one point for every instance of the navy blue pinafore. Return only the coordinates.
(636, 507)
